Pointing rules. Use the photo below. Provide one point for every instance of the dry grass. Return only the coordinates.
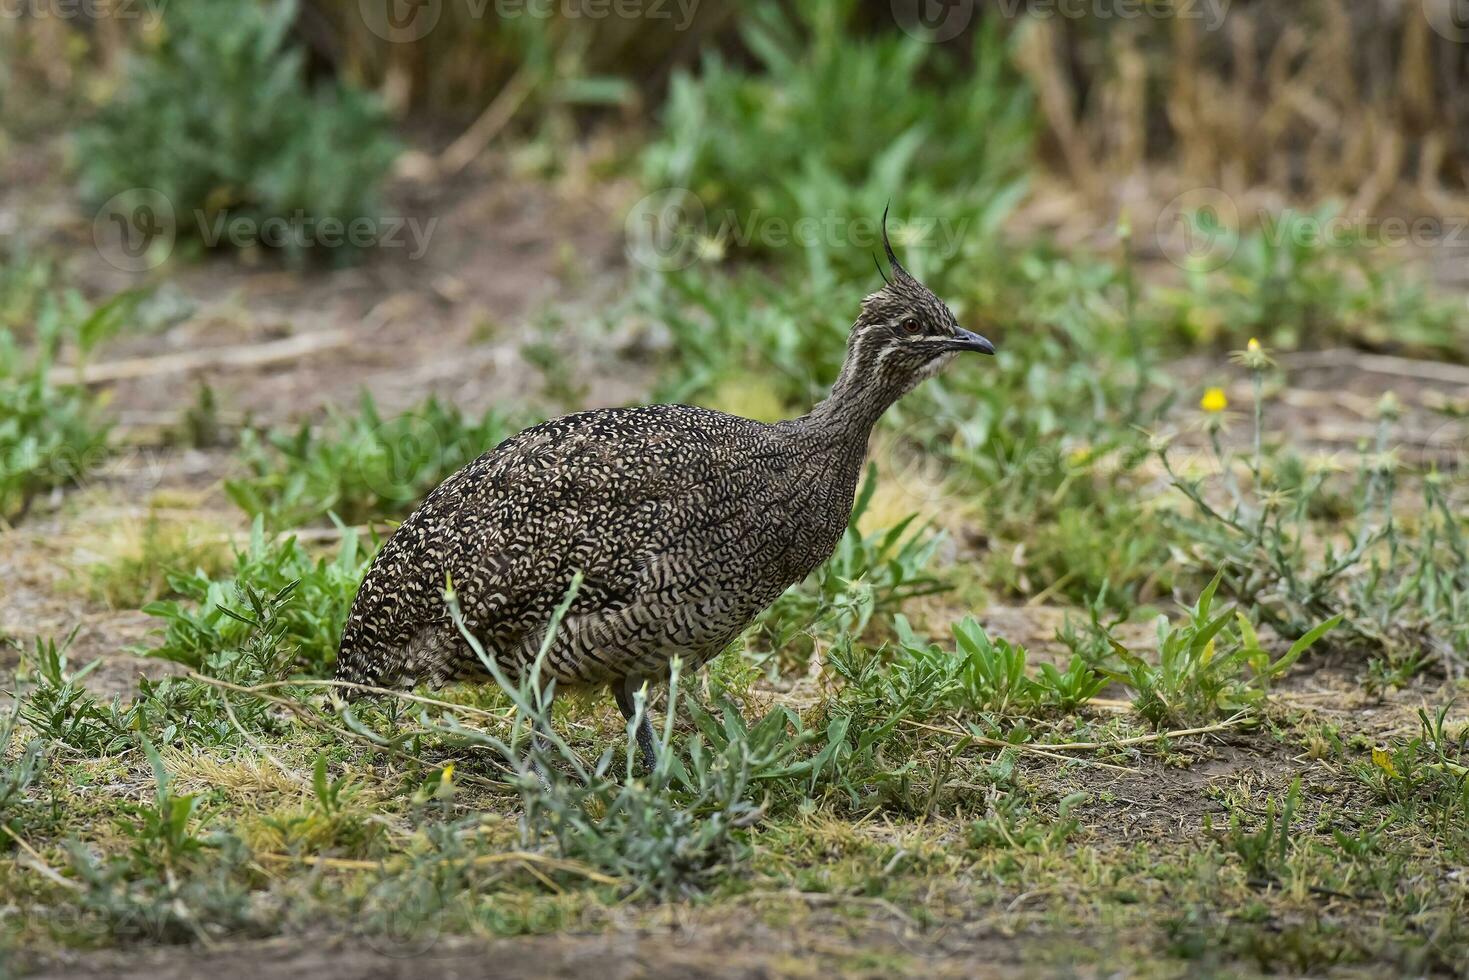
(1362, 101)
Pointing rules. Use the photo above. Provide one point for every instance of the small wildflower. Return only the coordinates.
(1275, 499)
(1255, 356)
(1389, 408)
(446, 788)
(1159, 442)
(1383, 463)
(1382, 760)
(1214, 401)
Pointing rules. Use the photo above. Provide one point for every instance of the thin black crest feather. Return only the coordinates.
(887, 246)
(878, 262)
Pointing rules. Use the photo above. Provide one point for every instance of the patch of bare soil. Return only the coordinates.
(738, 946)
(441, 314)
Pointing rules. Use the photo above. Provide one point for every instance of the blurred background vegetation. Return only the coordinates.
(1363, 100)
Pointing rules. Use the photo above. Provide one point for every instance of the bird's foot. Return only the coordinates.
(647, 748)
(540, 749)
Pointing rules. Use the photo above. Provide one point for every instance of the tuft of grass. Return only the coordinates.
(277, 586)
(61, 710)
(18, 773)
(673, 832)
(1264, 851)
(1399, 583)
(358, 467)
(174, 882)
(140, 557)
(216, 118)
(1208, 666)
(816, 133)
(52, 431)
(1425, 777)
(991, 675)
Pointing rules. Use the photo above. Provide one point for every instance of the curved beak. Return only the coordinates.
(964, 340)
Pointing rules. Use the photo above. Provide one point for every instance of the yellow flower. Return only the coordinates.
(1254, 356)
(1382, 760)
(1214, 401)
(446, 778)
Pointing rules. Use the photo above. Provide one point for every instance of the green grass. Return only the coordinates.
(771, 805)
(216, 127)
(53, 431)
(817, 132)
(358, 467)
(280, 612)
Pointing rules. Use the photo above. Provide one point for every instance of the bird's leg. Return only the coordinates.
(540, 748)
(623, 691)
(540, 745)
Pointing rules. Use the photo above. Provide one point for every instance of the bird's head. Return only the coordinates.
(905, 334)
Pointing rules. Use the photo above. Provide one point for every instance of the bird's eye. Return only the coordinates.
(910, 326)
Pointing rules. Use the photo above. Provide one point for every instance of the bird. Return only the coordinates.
(682, 523)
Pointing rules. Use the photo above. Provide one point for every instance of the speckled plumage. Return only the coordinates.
(684, 522)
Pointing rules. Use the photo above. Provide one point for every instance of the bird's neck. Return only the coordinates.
(848, 414)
